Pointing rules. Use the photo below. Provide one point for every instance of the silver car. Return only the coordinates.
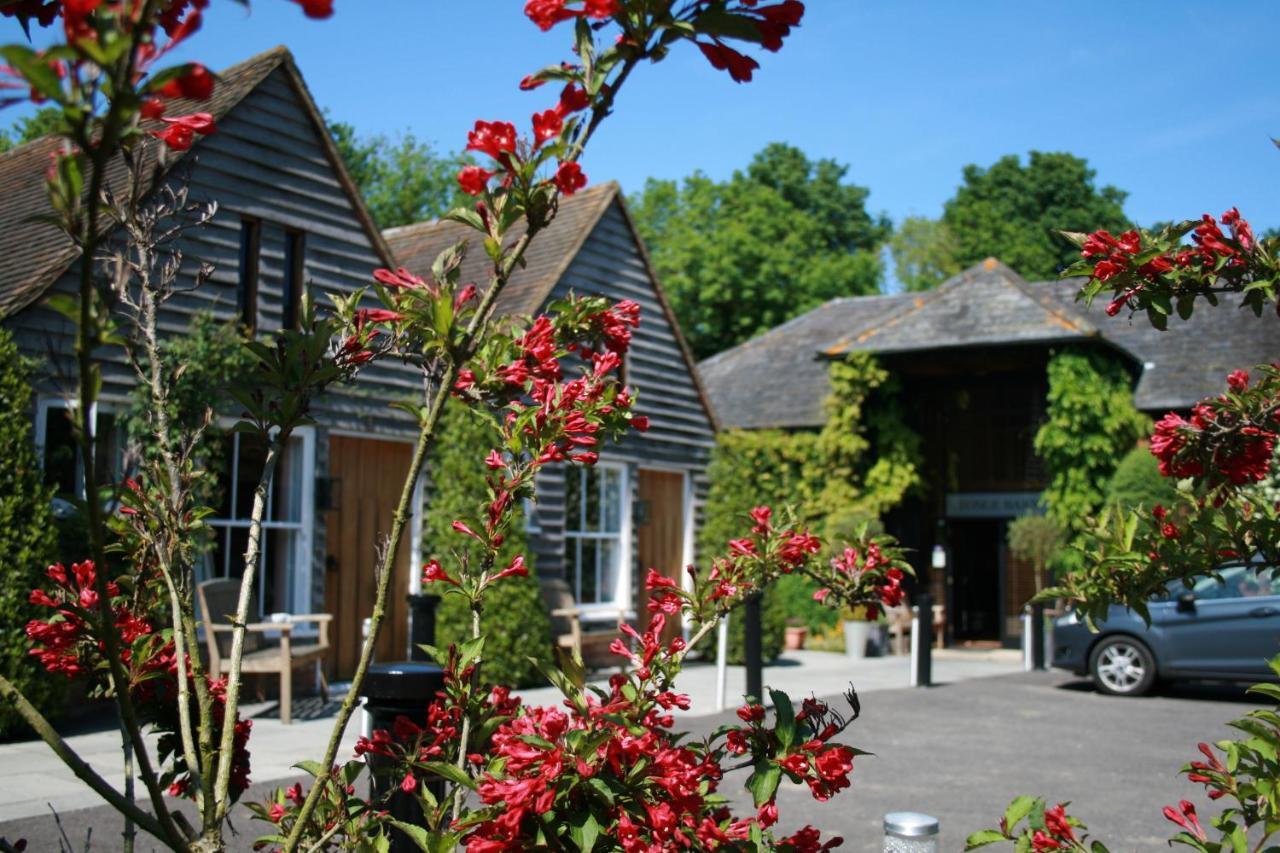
(1222, 629)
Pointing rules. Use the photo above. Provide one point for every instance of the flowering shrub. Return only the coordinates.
(489, 773)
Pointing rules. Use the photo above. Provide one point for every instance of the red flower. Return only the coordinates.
(1041, 842)
(196, 84)
(1055, 820)
(473, 179)
(277, 812)
(723, 58)
(495, 138)
(547, 13)
(1185, 817)
(569, 177)
(433, 572)
(547, 125)
(601, 9)
(181, 130)
(152, 108)
(1238, 380)
(572, 99)
(317, 9)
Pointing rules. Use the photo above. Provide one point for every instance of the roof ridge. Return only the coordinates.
(428, 224)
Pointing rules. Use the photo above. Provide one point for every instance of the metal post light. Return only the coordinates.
(910, 832)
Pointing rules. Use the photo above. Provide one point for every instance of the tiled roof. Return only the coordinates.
(1192, 359)
(34, 254)
(779, 379)
(416, 246)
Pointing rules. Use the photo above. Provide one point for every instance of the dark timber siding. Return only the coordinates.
(265, 162)
(681, 436)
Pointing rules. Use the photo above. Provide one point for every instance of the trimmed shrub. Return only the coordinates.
(514, 618)
(1137, 482)
(28, 540)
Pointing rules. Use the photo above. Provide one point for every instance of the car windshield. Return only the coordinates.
(1240, 581)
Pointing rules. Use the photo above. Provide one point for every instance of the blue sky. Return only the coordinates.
(1174, 102)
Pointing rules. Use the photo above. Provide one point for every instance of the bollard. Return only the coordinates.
(922, 641)
(392, 689)
(422, 623)
(1027, 659)
(1037, 636)
(751, 649)
(910, 832)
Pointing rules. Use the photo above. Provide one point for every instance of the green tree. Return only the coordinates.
(741, 256)
(1137, 481)
(1013, 211)
(41, 123)
(27, 537)
(514, 620)
(1090, 423)
(403, 180)
(924, 253)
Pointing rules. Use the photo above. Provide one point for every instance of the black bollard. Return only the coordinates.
(1037, 637)
(751, 650)
(923, 644)
(422, 623)
(392, 689)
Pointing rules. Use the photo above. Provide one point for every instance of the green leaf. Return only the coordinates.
(449, 771)
(982, 838)
(786, 718)
(763, 783)
(584, 829)
(417, 834)
(313, 768)
(1018, 809)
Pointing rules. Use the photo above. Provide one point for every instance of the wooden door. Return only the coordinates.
(367, 476)
(660, 535)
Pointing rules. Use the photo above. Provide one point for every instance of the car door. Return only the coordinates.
(1229, 627)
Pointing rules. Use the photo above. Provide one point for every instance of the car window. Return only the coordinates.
(1237, 582)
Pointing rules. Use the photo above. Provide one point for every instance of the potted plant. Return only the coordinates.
(857, 631)
(796, 633)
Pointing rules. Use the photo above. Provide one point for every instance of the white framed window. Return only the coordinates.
(59, 452)
(598, 534)
(284, 564)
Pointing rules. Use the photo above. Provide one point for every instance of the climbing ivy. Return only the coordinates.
(863, 462)
(1090, 424)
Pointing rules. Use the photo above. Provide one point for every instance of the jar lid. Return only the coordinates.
(910, 824)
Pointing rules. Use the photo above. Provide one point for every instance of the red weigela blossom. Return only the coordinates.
(495, 138)
(569, 177)
(547, 125)
(474, 179)
(316, 9)
(197, 85)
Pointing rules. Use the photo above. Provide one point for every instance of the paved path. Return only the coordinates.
(959, 751)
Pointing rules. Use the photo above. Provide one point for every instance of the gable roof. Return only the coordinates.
(988, 303)
(415, 247)
(779, 379)
(34, 254)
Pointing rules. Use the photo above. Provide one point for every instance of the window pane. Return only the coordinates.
(248, 468)
(612, 500)
(572, 498)
(587, 571)
(108, 448)
(60, 453)
(610, 559)
(591, 480)
(280, 548)
(286, 487)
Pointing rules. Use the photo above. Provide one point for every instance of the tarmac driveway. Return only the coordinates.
(959, 752)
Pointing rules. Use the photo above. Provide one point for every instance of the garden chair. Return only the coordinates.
(567, 631)
(217, 599)
(899, 619)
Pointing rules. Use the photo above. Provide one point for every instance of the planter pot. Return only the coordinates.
(794, 637)
(856, 634)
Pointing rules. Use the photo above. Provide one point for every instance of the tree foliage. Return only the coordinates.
(741, 256)
(26, 545)
(40, 123)
(1137, 482)
(924, 253)
(1037, 539)
(1090, 423)
(403, 180)
(514, 621)
(1013, 212)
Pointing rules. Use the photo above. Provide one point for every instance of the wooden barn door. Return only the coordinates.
(661, 536)
(367, 476)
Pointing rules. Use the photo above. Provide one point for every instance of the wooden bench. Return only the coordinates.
(899, 619)
(567, 631)
(217, 600)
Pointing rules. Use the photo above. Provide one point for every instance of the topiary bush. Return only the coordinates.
(514, 618)
(1137, 482)
(28, 539)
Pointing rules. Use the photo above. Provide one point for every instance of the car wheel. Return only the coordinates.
(1122, 666)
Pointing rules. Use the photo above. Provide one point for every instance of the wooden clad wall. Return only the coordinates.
(681, 434)
(265, 161)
